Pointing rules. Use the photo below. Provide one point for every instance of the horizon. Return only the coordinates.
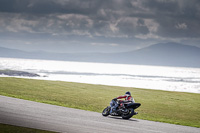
(161, 54)
(97, 26)
(100, 52)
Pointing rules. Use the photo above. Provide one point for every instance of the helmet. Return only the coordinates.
(128, 93)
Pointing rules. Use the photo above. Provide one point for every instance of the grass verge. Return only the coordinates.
(163, 106)
(4, 128)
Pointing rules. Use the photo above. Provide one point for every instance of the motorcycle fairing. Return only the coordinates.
(133, 105)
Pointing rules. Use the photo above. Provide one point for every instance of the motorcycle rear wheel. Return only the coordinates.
(129, 114)
(106, 111)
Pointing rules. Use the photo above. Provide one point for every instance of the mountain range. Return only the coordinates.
(162, 54)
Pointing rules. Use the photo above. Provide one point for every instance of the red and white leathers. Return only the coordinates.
(127, 98)
(114, 105)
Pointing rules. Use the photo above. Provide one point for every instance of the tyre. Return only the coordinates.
(106, 111)
(129, 114)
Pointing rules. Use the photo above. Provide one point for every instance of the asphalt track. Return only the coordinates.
(61, 119)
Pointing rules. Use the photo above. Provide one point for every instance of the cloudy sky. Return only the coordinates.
(97, 25)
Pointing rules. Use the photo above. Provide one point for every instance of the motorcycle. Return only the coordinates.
(125, 109)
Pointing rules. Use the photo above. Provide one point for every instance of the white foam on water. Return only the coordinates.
(140, 76)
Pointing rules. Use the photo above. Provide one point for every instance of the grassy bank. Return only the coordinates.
(4, 128)
(170, 107)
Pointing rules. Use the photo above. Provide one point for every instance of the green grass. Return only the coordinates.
(163, 106)
(4, 128)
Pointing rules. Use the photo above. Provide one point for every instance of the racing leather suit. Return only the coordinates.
(114, 105)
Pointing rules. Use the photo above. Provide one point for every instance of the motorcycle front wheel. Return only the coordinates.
(106, 111)
(129, 113)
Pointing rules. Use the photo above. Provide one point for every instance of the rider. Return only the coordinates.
(114, 104)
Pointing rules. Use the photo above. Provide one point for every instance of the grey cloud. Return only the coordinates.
(140, 22)
(47, 6)
(28, 6)
(162, 6)
(170, 14)
(160, 19)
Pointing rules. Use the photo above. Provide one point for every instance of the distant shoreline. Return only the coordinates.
(9, 72)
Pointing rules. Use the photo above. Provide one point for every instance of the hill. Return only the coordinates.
(162, 54)
(166, 54)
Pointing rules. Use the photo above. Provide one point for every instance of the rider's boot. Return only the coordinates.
(113, 111)
(135, 113)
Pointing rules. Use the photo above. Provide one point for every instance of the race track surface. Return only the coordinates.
(61, 119)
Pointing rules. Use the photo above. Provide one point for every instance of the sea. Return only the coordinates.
(179, 79)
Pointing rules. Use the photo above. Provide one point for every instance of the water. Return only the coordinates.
(140, 76)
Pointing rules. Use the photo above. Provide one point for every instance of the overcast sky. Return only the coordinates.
(97, 25)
